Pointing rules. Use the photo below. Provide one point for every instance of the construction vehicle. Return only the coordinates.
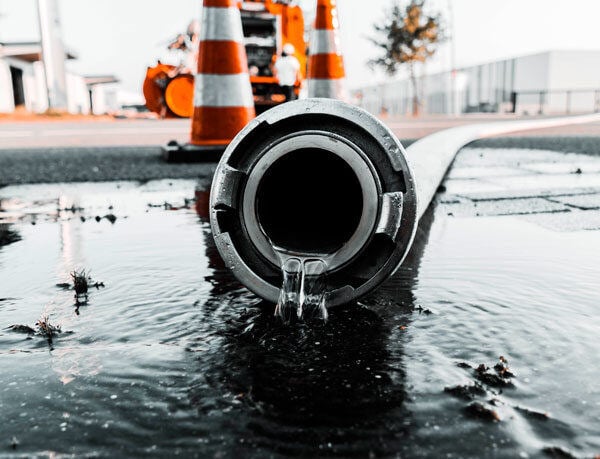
(267, 26)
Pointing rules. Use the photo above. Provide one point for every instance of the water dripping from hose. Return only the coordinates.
(302, 293)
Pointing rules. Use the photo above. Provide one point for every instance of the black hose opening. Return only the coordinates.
(310, 201)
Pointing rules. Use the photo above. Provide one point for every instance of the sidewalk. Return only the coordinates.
(413, 128)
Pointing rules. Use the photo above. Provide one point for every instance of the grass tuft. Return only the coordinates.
(81, 281)
(46, 329)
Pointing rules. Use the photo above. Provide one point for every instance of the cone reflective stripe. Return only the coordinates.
(221, 24)
(326, 73)
(325, 42)
(223, 101)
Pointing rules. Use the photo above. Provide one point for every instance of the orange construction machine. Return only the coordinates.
(268, 25)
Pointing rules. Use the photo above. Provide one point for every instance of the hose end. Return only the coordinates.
(314, 179)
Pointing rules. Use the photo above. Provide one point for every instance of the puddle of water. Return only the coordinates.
(174, 357)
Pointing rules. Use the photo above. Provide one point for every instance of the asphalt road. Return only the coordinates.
(67, 151)
(62, 134)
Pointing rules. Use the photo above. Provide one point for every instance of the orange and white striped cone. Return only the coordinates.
(326, 75)
(223, 100)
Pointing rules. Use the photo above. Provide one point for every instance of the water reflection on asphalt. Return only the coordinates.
(175, 357)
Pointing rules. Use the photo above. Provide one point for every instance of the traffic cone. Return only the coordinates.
(223, 101)
(326, 76)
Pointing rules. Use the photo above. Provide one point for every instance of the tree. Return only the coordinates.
(406, 36)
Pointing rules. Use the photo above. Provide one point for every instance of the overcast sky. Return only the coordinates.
(122, 37)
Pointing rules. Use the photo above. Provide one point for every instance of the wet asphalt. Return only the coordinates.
(92, 164)
(142, 163)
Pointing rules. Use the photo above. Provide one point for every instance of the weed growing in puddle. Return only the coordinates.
(81, 281)
(486, 383)
(46, 329)
(43, 328)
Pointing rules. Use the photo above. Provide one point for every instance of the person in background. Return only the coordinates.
(286, 70)
(184, 49)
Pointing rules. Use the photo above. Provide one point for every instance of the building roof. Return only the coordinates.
(26, 51)
(92, 80)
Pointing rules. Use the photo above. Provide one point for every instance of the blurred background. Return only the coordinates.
(545, 54)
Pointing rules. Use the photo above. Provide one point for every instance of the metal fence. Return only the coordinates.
(555, 101)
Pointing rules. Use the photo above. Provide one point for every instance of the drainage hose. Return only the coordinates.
(321, 179)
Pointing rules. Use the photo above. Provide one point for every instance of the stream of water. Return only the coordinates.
(302, 293)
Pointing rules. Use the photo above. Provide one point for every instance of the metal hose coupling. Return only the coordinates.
(318, 183)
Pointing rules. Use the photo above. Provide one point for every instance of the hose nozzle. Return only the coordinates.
(314, 179)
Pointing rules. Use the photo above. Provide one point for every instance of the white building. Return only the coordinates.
(23, 83)
(103, 94)
(549, 82)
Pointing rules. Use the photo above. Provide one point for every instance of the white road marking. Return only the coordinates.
(93, 132)
(16, 133)
(111, 131)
